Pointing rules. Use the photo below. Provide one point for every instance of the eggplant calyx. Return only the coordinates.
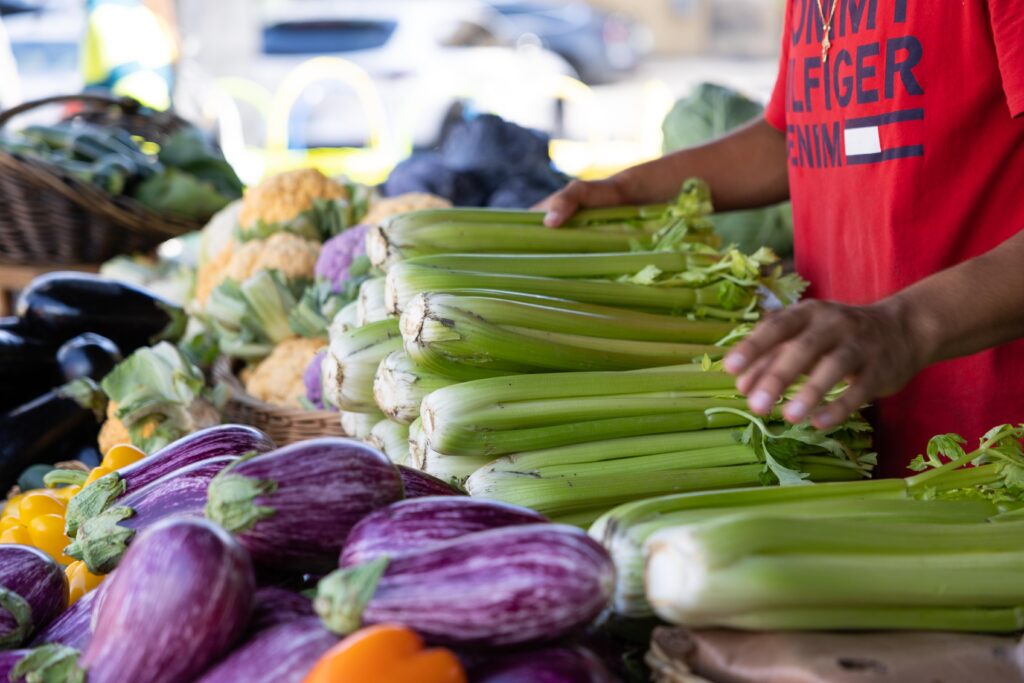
(101, 541)
(177, 322)
(87, 394)
(231, 501)
(18, 608)
(342, 595)
(52, 663)
(92, 500)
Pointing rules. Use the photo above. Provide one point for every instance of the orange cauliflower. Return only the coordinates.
(284, 196)
(295, 257)
(278, 378)
(113, 431)
(382, 209)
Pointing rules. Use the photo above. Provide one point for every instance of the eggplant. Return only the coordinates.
(197, 447)
(15, 325)
(102, 540)
(283, 653)
(8, 660)
(181, 598)
(33, 590)
(27, 369)
(49, 429)
(73, 627)
(292, 508)
(550, 665)
(418, 484)
(421, 522)
(275, 606)
(87, 355)
(512, 586)
(62, 305)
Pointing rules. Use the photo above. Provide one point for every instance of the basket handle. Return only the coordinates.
(127, 104)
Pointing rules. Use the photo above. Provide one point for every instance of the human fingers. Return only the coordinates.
(790, 360)
(843, 361)
(772, 331)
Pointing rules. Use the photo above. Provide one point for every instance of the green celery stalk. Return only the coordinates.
(359, 425)
(370, 306)
(881, 618)
(400, 385)
(392, 439)
(351, 364)
(571, 265)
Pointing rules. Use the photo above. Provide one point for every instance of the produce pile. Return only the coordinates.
(185, 177)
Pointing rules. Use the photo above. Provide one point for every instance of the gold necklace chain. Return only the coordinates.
(826, 23)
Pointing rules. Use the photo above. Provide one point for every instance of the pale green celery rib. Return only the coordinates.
(763, 532)
(566, 495)
(452, 469)
(484, 392)
(571, 265)
(364, 343)
(409, 280)
(392, 439)
(400, 385)
(580, 319)
(698, 458)
(767, 582)
(871, 618)
(456, 336)
(467, 441)
(612, 449)
(541, 413)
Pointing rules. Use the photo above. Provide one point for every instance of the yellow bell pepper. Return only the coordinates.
(120, 456)
(47, 533)
(18, 534)
(40, 502)
(96, 473)
(80, 581)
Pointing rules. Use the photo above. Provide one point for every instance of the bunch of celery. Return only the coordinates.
(351, 363)
(400, 386)
(938, 550)
(392, 439)
(441, 231)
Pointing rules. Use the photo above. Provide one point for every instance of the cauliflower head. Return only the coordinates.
(382, 209)
(278, 378)
(284, 196)
(113, 431)
(293, 256)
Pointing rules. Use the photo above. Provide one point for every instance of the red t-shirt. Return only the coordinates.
(906, 157)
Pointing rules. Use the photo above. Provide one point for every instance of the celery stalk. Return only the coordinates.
(359, 425)
(392, 439)
(571, 265)
(370, 306)
(352, 361)
(400, 385)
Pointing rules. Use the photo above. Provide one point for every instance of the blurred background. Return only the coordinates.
(356, 86)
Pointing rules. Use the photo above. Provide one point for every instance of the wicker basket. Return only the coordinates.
(283, 424)
(47, 218)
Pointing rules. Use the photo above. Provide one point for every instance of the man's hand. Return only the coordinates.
(581, 194)
(876, 349)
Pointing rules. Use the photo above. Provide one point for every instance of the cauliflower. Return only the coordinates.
(282, 197)
(293, 256)
(278, 378)
(337, 255)
(114, 431)
(218, 233)
(382, 209)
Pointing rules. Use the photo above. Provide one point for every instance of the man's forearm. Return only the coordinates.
(745, 169)
(976, 305)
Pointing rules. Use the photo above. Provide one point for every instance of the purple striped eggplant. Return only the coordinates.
(413, 524)
(512, 586)
(418, 484)
(33, 590)
(102, 540)
(275, 606)
(550, 665)
(73, 627)
(8, 660)
(292, 508)
(284, 653)
(203, 445)
(181, 598)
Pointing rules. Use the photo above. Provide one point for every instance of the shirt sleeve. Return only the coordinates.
(775, 113)
(1007, 17)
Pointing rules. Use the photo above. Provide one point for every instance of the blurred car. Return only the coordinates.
(600, 46)
(425, 58)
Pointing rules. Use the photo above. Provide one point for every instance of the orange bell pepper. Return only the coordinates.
(386, 653)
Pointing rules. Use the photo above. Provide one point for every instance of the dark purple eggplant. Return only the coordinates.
(49, 429)
(27, 369)
(62, 305)
(418, 484)
(275, 606)
(102, 540)
(292, 508)
(512, 586)
(33, 590)
(550, 665)
(87, 355)
(284, 653)
(73, 627)
(14, 324)
(8, 660)
(214, 442)
(421, 522)
(181, 598)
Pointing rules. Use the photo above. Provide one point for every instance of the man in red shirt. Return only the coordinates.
(897, 130)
